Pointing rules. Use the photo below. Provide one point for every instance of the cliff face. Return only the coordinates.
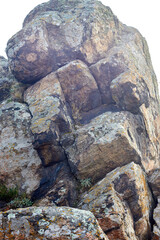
(80, 113)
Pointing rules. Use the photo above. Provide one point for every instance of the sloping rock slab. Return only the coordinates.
(108, 141)
(123, 193)
(50, 223)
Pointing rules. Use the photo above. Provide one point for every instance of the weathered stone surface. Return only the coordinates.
(19, 162)
(57, 187)
(50, 223)
(50, 118)
(108, 141)
(79, 88)
(152, 125)
(154, 181)
(122, 191)
(95, 108)
(52, 37)
(10, 88)
(28, 53)
(156, 217)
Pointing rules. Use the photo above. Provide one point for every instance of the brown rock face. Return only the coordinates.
(80, 88)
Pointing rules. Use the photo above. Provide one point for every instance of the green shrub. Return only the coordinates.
(7, 194)
(12, 197)
(20, 202)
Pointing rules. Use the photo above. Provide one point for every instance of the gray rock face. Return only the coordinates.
(19, 162)
(10, 88)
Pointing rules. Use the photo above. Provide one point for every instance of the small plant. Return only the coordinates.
(86, 183)
(20, 202)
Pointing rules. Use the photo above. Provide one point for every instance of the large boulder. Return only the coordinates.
(19, 161)
(52, 37)
(108, 141)
(121, 195)
(50, 223)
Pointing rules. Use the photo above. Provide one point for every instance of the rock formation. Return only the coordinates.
(79, 126)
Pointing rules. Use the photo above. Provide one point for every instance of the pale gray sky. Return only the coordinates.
(141, 14)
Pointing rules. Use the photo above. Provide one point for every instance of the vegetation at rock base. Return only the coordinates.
(20, 202)
(7, 194)
(13, 198)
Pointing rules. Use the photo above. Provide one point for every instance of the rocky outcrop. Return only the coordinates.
(111, 68)
(49, 223)
(81, 101)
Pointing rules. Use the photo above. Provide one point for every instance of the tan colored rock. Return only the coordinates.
(19, 162)
(50, 223)
(108, 141)
(79, 88)
(123, 193)
(105, 71)
(127, 93)
(113, 215)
